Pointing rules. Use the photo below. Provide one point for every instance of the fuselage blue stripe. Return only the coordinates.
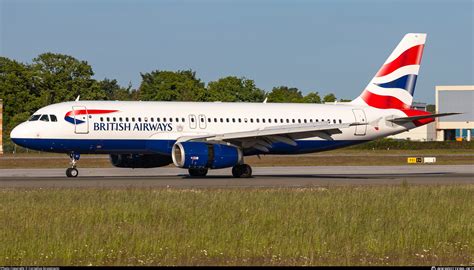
(96, 146)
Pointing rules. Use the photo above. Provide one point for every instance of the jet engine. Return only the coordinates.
(205, 155)
(139, 160)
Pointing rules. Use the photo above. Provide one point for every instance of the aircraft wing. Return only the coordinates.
(262, 139)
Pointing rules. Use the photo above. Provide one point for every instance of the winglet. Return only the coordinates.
(77, 99)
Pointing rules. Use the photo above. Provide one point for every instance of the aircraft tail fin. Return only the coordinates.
(393, 85)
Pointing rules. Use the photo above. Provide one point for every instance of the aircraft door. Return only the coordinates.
(81, 120)
(359, 115)
(202, 121)
(192, 121)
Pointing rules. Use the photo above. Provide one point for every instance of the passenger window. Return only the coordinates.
(183, 120)
(53, 118)
(288, 120)
(251, 120)
(299, 120)
(115, 119)
(281, 120)
(126, 119)
(177, 119)
(222, 120)
(157, 119)
(240, 120)
(293, 121)
(133, 119)
(258, 120)
(340, 121)
(215, 120)
(311, 120)
(263, 120)
(209, 120)
(334, 121)
(171, 119)
(317, 120)
(245, 120)
(192, 119)
(152, 120)
(35, 117)
(227, 120)
(108, 119)
(233, 120)
(45, 118)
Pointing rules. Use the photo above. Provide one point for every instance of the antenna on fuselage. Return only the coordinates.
(77, 99)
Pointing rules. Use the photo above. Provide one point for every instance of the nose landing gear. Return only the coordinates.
(73, 172)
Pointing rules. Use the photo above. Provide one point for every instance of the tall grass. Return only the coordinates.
(316, 226)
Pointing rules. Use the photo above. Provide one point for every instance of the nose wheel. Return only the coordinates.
(73, 172)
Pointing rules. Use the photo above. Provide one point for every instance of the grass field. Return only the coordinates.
(337, 157)
(398, 225)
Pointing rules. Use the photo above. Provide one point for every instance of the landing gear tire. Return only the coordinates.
(72, 172)
(242, 171)
(198, 172)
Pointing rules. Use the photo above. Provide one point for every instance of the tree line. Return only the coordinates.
(52, 78)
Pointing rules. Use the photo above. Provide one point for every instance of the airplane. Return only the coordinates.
(199, 136)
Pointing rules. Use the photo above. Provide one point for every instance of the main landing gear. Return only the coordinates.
(242, 171)
(198, 172)
(73, 172)
(238, 171)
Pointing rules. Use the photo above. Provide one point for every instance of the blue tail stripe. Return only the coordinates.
(406, 82)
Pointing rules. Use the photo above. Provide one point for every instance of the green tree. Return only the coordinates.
(62, 78)
(233, 89)
(113, 91)
(285, 94)
(312, 97)
(19, 95)
(181, 85)
(329, 98)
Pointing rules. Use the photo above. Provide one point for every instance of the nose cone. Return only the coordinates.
(19, 134)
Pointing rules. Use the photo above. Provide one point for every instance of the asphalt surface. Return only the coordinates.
(262, 177)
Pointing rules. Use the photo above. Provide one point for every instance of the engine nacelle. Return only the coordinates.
(205, 155)
(139, 160)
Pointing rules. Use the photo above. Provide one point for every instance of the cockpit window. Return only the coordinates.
(53, 118)
(34, 117)
(45, 118)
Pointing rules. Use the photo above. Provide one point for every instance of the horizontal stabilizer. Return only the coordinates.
(419, 117)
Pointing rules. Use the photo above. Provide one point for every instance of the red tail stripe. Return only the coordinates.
(383, 102)
(93, 111)
(411, 56)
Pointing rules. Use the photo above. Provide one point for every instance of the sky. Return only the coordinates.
(326, 46)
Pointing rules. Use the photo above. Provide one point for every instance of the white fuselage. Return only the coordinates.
(129, 126)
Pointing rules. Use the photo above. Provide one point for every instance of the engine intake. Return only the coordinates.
(139, 160)
(205, 155)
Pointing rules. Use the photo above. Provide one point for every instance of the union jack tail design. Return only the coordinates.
(394, 84)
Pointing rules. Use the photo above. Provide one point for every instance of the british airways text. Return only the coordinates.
(133, 127)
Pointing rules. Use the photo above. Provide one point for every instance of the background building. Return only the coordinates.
(1, 127)
(423, 133)
(455, 98)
